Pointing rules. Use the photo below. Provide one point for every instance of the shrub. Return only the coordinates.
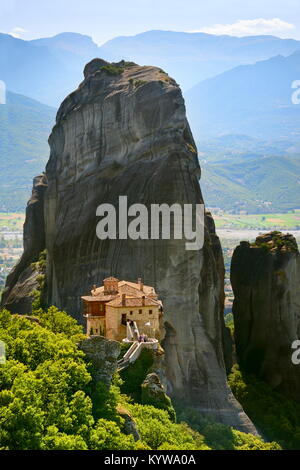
(276, 416)
(135, 374)
(112, 70)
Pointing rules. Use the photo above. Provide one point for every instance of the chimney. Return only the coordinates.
(110, 286)
(143, 301)
(141, 284)
(123, 300)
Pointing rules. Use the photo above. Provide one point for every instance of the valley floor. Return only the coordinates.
(11, 242)
(231, 228)
(230, 238)
(259, 222)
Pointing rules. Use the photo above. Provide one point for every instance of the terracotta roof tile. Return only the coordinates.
(125, 286)
(134, 302)
(99, 298)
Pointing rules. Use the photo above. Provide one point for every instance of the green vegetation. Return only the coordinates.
(157, 398)
(45, 389)
(48, 400)
(128, 64)
(264, 221)
(113, 70)
(158, 432)
(135, 374)
(25, 126)
(132, 385)
(40, 267)
(139, 83)
(276, 241)
(229, 322)
(123, 349)
(221, 437)
(275, 416)
(258, 185)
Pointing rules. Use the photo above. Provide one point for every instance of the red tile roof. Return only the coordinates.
(133, 302)
(132, 291)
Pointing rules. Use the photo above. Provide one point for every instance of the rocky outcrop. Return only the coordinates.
(23, 280)
(265, 278)
(129, 426)
(154, 394)
(103, 354)
(124, 131)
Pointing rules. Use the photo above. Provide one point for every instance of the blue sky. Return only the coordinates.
(104, 20)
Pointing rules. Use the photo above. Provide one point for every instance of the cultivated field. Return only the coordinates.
(288, 221)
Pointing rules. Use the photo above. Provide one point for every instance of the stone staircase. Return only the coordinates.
(134, 352)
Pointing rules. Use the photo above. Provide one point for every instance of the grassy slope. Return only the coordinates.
(25, 125)
(266, 221)
(251, 184)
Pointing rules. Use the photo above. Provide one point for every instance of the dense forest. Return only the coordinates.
(48, 400)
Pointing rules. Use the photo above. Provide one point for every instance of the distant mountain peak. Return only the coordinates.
(76, 43)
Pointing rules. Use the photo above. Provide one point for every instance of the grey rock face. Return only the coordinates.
(22, 281)
(124, 131)
(266, 283)
(103, 353)
(93, 66)
(130, 426)
(154, 394)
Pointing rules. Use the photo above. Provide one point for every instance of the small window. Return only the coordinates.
(131, 312)
(124, 319)
(140, 311)
(150, 312)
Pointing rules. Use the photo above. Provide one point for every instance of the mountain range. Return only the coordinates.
(50, 68)
(255, 100)
(25, 125)
(238, 97)
(47, 69)
(193, 57)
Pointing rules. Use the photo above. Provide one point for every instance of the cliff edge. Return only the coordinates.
(265, 277)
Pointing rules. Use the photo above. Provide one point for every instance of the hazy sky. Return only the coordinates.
(104, 20)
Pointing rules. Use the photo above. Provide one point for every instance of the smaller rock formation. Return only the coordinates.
(265, 277)
(94, 66)
(22, 282)
(154, 394)
(103, 354)
(130, 426)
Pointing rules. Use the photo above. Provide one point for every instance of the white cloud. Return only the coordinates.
(250, 27)
(17, 32)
